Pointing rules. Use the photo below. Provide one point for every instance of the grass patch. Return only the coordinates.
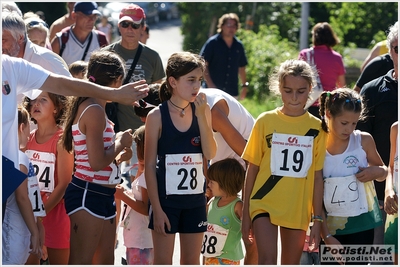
(256, 107)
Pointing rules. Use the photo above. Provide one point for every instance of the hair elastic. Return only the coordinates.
(91, 78)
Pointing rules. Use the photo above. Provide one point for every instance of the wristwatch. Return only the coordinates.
(246, 84)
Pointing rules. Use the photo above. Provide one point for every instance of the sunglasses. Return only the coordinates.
(396, 49)
(144, 104)
(125, 24)
(35, 22)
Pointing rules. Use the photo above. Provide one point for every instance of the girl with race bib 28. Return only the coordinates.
(178, 139)
(283, 185)
(351, 165)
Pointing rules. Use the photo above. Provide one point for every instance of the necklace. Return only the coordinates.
(182, 109)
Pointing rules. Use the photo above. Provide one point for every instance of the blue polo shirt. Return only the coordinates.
(224, 62)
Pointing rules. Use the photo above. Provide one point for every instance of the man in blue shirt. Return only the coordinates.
(225, 58)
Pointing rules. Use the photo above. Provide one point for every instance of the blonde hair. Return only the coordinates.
(292, 67)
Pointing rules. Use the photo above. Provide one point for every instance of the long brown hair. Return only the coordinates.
(104, 68)
(178, 65)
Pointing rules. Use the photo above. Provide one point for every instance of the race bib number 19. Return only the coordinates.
(184, 174)
(291, 155)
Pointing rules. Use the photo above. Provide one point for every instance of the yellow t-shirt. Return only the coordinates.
(287, 200)
(383, 47)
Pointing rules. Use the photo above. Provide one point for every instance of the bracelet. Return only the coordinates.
(246, 84)
(317, 218)
(327, 236)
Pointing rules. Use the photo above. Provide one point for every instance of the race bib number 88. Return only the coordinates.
(291, 155)
(184, 174)
(214, 240)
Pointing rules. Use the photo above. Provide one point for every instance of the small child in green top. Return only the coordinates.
(222, 241)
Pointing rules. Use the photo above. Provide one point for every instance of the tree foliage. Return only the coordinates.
(359, 24)
(275, 32)
(265, 50)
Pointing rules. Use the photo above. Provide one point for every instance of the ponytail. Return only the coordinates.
(164, 93)
(322, 107)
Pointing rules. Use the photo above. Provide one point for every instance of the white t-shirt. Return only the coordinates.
(18, 76)
(136, 232)
(239, 117)
(46, 59)
(74, 49)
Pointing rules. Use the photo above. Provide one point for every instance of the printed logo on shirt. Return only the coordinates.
(202, 223)
(382, 90)
(195, 141)
(351, 161)
(6, 88)
(268, 138)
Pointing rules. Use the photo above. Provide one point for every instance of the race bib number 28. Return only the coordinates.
(291, 155)
(184, 174)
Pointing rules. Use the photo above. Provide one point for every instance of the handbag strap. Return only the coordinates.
(310, 56)
(310, 60)
(133, 66)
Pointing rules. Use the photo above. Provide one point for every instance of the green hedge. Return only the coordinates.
(265, 50)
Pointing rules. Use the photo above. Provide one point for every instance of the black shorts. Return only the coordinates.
(185, 221)
(96, 199)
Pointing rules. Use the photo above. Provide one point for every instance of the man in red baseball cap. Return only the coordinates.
(148, 67)
(132, 13)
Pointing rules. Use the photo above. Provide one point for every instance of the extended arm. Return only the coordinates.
(127, 94)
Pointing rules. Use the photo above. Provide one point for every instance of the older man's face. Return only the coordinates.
(10, 46)
(392, 51)
(84, 22)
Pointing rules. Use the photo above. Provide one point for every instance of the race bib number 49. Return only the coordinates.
(291, 155)
(344, 196)
(184, 174)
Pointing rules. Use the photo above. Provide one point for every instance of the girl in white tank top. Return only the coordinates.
(351, 165)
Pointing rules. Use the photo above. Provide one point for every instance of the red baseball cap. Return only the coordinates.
(132, 13)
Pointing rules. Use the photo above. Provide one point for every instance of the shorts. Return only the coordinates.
(96, 199)
(220, 261)
(137, 256)
(184, 220)
(57, 227)
(265, 214)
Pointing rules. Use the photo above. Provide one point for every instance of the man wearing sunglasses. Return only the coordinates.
(148, 65)
(381, 99)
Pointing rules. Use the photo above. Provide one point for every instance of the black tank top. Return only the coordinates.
(172, 141)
